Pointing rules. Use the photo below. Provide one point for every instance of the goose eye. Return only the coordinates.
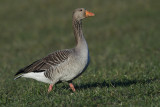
(80, 10)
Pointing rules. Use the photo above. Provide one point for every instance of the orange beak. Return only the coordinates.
(89, 13)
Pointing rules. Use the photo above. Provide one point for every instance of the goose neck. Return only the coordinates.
(77, 27)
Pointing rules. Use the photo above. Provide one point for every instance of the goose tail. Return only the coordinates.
(17, 74)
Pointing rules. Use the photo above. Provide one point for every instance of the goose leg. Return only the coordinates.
(50, 88)
(72, 87)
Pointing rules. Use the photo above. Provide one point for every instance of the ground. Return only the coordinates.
(123, 40)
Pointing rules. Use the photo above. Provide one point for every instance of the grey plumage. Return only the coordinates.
(47, 64)
(61, 65)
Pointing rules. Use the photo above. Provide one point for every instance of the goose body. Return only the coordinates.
(62, 65)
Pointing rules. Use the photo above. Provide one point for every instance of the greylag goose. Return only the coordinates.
(62, 65)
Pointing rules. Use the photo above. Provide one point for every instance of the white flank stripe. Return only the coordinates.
(37, 76)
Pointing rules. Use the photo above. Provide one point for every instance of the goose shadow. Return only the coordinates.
(115, 83)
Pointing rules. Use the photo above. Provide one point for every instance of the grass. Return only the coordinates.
(124, 46)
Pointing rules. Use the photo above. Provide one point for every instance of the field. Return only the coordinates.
(123, 40)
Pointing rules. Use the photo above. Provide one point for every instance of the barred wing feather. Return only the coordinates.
(45, 63)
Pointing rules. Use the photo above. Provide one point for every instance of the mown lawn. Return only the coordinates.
(124, 44)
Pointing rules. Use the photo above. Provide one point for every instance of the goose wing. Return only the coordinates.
(45, 63)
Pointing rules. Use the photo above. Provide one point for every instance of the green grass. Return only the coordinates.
(124, 44)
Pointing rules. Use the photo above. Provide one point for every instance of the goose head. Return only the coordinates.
(81, 13)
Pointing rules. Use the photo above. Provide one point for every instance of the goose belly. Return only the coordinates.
(75, 68)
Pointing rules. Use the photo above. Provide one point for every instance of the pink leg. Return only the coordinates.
(50, 88)
(72, 87)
